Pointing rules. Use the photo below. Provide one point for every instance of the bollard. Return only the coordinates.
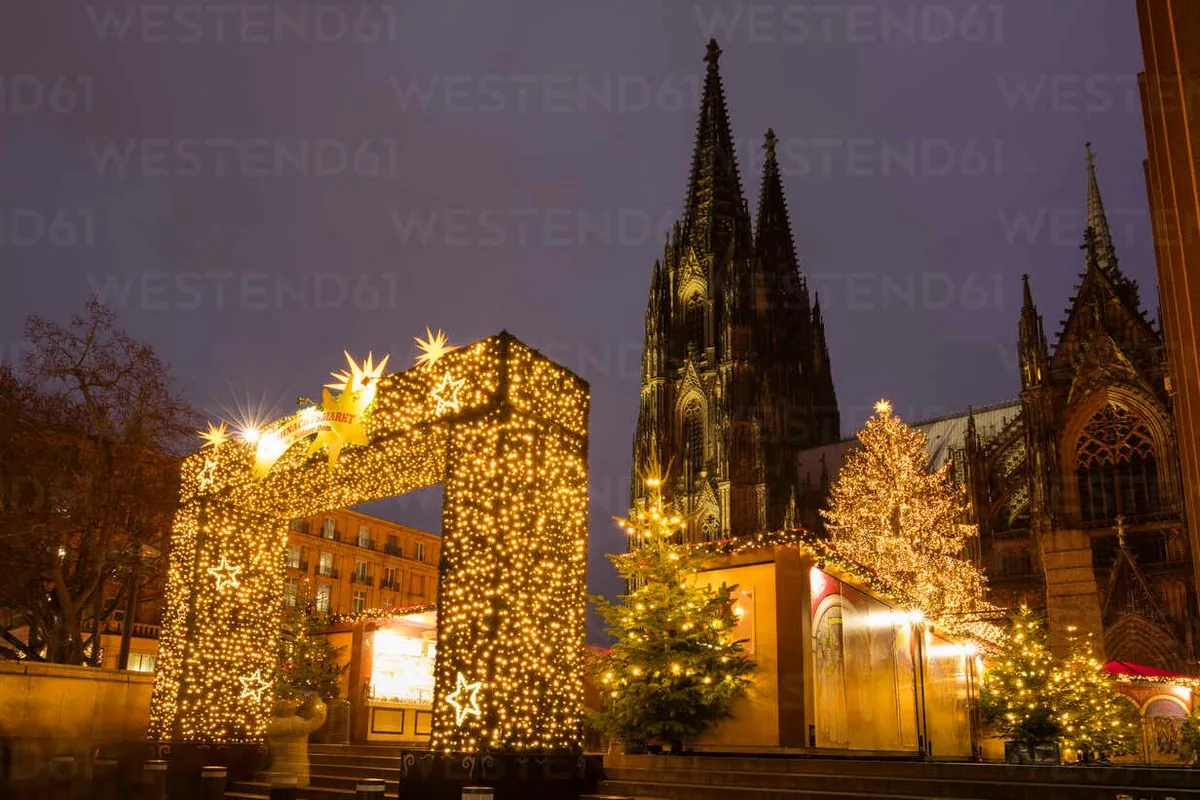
(105, 779)
(283, 786)
(212, 783)
(369, 789)
(62, 777)
(478, 793)
(154, 780)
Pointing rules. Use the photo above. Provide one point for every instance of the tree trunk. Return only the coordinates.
(127, 623)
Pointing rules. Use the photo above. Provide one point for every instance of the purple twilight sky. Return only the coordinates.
(256, 186)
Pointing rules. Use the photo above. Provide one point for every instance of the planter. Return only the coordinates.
(634, 747)
(1042, 753)
(288, 732)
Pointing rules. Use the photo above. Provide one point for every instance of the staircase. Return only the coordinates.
(334, 769)
(814, 778)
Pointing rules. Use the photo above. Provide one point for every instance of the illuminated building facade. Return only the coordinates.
(344, 562)
(735, 371)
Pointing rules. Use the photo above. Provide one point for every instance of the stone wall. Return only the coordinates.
(51, 710)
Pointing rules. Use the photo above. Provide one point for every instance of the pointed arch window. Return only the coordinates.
(1115, 466)
(693, 440)
(693, 323)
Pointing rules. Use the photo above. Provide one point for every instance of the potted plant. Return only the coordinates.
(307, 675)
(1018, 693)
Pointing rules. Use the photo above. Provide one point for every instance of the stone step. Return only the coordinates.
(340, 768)
(245, 790)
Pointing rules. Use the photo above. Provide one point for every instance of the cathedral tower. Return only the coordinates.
(736, 377)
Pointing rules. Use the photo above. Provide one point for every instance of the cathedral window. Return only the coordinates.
(693, 323)
(1115, 466)
(693, 440)
(711, 529)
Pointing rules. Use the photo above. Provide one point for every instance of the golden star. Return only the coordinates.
(254, 686)
(208, 475)
(433, 347)
(451, 386)
(471, 706)
(358, 377)
(883, 408)
(342, 425)
(215, 436)
(226, 574)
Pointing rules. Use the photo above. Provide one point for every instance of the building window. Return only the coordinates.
(419, 551)
(693, 441)
(360, 571)
(298, 525)
(329, 528)
(359, 601)
(389, 579)
(141, 662)
(325, 566)
(693, 323)
(291, 588)
(1115, 466)
(324, 591)
(293, 556)
(364, 536)
(393, 548)
(418, 585)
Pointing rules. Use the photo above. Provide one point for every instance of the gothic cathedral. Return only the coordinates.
(736, 378)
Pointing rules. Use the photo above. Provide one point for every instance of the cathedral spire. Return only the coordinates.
(1097, 220)
(715, 204)
(1032, 347)
(773, 230)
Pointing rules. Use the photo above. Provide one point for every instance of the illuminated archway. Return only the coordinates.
(504, 430)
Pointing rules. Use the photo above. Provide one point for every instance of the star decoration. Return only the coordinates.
(470, 706)
(433, 347)
(883, 408)
(359, 376)
(254, 686)
(215, 436)
(226, 574)
(208, 475)
(446, 394)
(342, 425)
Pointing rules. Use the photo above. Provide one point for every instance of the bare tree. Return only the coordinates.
(90, 436)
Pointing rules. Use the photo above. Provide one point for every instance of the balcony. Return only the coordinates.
(327, 572)
(1148, 519)
(389, 583)
(368, 544)
(300, 565)
(393, 549)
(298, 525)
(362, 579)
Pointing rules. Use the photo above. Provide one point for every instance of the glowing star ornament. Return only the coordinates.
(360, 377)
(226, 575)
(446, 394)
(433, 347)
(464, 707)
(883, 408)
(208, 475)
(215, 436)
(254, 686)
(340, 424)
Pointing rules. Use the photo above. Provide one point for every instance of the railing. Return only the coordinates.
(360, 578)
(393, 549)
(300, 565)
(368, 545)
(1162, 514)
(389, 583)
(140, 630)
(327, 572)
(298, 525)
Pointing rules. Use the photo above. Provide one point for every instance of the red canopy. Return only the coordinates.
(1139, 670)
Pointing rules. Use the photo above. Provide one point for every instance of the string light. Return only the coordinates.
(507, 438)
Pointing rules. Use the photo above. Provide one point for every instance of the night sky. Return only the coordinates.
(255, 191)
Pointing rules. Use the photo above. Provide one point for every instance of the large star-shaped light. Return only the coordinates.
(433, 347)
(226, 574)
(360, 376)
(254, 686)
(883, 408)
(208, 474)
(446, 394)
(342, 425)
(215, 436)
(469, 706)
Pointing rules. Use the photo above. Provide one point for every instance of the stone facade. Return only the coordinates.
(735, 370)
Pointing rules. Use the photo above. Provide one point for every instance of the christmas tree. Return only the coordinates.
(674, 670)
(307, 661)
(1022, 684)
(889, 513)
(1094, 718)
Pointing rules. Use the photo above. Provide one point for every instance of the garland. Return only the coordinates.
(374, 614)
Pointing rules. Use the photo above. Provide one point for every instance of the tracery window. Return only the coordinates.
(693, 440)
(693, 322)
(1115, 466)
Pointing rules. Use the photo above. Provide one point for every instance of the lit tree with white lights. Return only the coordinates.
(675, 669)
(890, 514)
(1022, 684)
(1095, 718)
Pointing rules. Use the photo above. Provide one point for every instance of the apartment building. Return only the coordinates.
(344, 562)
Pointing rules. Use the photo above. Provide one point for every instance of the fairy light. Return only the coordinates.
(506, 435)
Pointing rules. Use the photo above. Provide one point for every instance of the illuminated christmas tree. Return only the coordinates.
(307, 661)
(890, 514)
(675, 668)
(1022, 684)
(1094, 717)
